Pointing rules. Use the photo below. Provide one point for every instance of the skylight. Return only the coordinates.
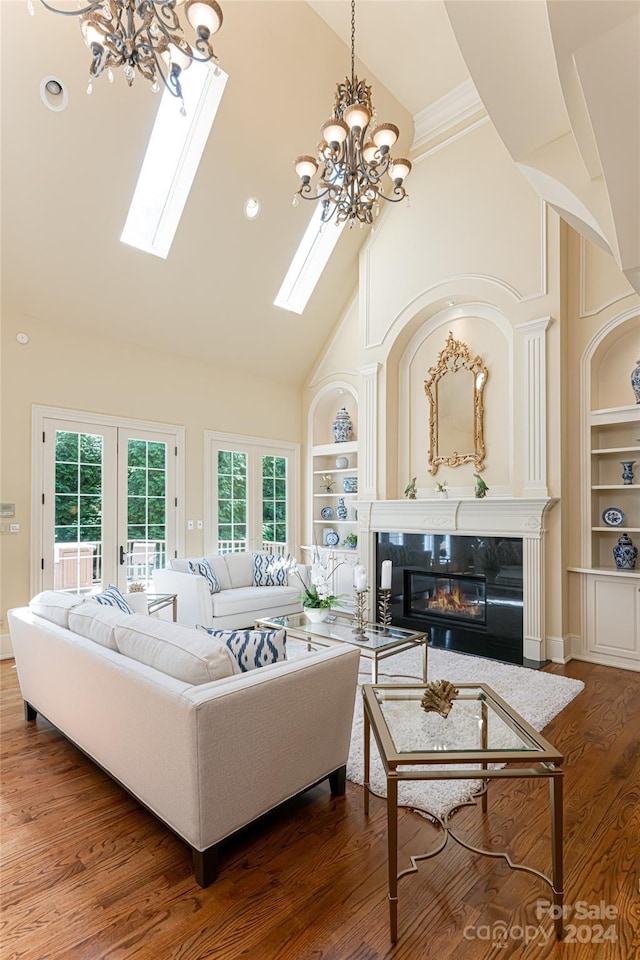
(172, 158)
(308, 262)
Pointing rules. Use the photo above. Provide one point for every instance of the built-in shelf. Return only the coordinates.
(334, 449)
(606, 571)
(604, 450)
(616, 529)
(325, 522)
(333, 470)
(616, 486)
(335, 494)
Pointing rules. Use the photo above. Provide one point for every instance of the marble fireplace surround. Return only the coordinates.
(489, 517)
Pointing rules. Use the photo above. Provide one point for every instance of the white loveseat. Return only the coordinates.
(238, 603)
(206, 757)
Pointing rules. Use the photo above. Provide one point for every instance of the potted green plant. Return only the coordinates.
(351, 540)
(443, 493)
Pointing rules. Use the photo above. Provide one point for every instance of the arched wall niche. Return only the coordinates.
(324, 406)
(487, 332)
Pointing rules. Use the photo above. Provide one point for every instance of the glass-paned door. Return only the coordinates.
(254, 502)
(109, 505)
(233, 507)
(78, 510)
(147, 508)
(274, 503)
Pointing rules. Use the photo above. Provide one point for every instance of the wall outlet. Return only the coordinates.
(189, 524)
(200, 524)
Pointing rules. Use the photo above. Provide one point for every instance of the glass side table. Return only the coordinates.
(158, 601)
(481, 729)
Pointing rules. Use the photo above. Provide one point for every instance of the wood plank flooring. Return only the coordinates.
(87, 874)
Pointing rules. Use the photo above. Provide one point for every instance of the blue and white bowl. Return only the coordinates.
(350, 484)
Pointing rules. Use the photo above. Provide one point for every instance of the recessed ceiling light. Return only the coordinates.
(251, 208)
(22, 338)
(451, 303)
(53, 94)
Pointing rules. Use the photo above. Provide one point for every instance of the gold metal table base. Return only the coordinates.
(547, 770)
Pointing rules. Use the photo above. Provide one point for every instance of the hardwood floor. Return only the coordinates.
(87, 874)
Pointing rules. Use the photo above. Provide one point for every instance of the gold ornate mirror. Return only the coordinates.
(454, 388)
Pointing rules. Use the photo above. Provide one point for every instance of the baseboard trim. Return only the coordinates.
(6, 650)
(559, 649)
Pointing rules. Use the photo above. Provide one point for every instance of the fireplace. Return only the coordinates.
(466, 592)
(449, 599)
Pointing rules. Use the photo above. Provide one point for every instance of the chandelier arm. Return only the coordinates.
(95, 5)
(166, 20)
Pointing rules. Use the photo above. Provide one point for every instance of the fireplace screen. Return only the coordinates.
(447, 597)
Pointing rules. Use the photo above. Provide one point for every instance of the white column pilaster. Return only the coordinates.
(368, 432)
(534, 373)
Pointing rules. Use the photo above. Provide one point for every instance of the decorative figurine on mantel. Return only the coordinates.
(410, 490)
(481, 487)
(443, 493)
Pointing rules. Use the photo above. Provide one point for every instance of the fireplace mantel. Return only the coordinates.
(490, 516)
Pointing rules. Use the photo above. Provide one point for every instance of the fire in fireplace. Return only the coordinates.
(447, 598)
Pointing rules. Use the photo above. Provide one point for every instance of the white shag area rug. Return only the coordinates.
(537, 696)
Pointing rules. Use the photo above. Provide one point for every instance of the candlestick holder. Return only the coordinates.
(360, 614)
(384, 616)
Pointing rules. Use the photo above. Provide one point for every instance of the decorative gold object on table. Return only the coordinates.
(384, 616)
(136, 587)
(438, 697)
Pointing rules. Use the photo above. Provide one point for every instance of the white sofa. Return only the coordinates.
(238, 604)
(207, 757)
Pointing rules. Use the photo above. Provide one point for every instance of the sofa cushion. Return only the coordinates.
(245, 600)
(112, 597)
(271, 570)
(178, 651)
(253, 648)
(202, 568)
(219, 565)
(240, 569)
(97, 622)
(54, 605)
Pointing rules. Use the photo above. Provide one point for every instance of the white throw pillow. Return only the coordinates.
(54, 605)
(178, 651)
(252, 648)
(97, 622)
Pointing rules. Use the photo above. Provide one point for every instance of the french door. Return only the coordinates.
(109, 504)
(253, 494)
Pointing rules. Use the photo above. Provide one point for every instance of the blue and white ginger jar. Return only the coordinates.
(342, 426)
(625, 553)
(635, 380)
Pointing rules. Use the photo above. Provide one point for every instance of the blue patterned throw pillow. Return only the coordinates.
(271, 570)
(111, 597)
(203, 568)
(253, 648)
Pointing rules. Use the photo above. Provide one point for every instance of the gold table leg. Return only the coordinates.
(367, 759)
(555, 791)
(392, 837)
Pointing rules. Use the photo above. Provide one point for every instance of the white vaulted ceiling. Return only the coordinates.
(68, 178)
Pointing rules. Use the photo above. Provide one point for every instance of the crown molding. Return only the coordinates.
(460, 104)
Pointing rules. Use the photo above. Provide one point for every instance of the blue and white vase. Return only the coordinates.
(342, 510)
(627, 470)
(625, 554)
(342, 426)
(635, 380)
(350, 484)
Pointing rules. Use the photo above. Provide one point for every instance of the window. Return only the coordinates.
(309, 261)
(253, 502)
(175, 148)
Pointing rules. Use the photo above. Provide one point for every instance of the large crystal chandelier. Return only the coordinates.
(145, 35)
(353, 163)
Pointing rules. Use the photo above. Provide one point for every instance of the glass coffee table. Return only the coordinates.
(375, 643)
(481, 730)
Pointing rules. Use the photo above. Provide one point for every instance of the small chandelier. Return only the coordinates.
(143, 35)
(350, 184)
